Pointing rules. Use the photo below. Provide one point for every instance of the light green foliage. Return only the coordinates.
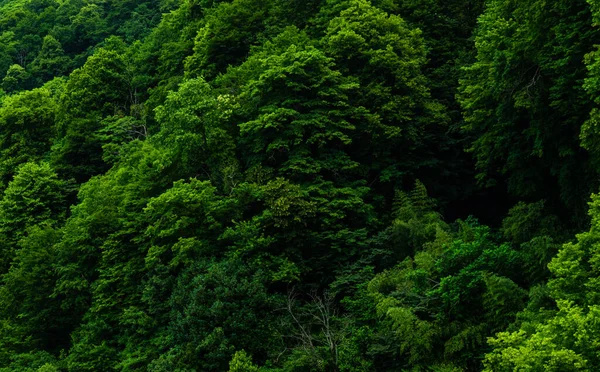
(242, 362)
(562, 344)
(47, 368)
(566, 339)
(16, 79)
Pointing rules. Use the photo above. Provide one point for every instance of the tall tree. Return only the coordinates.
(386, 57)
(51, 60)
(102, 87)
(28, 125)
(524, 101)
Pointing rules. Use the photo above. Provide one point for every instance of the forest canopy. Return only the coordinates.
(299, 185)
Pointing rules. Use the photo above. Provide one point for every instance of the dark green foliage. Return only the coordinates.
(442, 304)
(301, 120)
(103, 87)
(387, 58)
(50, 61)
(213, 185)
(217, 308)
(34, 196)
(28, 122)
(524, 99)
(222, 41)
(34, 320)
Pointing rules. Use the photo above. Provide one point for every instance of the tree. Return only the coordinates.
(239, 316)
(50, 62)
(440, 306)
(386, 57)
(230, 30)
(565, 337)
(299, 120)
(33, 319)
(8, 50)
(101, 88)
(524, 102)
(196, 127)
(28, 121)
(35, 196)
(16, 79)
(449, 288)
(242, 362)
(318, 333)
(88, 25)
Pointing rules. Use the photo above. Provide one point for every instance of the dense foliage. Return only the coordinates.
(299, 185)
